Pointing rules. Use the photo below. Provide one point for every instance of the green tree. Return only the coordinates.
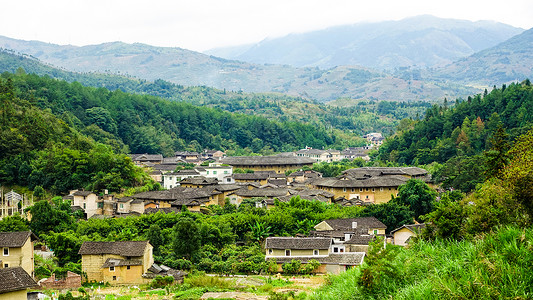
(155, 237)
(496, 156)
(14, 223)
(418, 196)
(186, 238)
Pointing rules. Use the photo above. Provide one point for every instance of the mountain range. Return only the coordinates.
(422, 41)
(408, 81)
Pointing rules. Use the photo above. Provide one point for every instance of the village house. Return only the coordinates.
(128, 205)
(318, 155)
(17, 250)
(92, 204)
(172, 179)
(236, 197)
(303, 176)
(15, 283)
(350, 234)
(190, 157)
(261, 178)
(278, 163)
(198, 182)
(221, 173)
(122, 262)
(286, 249)
(352, 153)
(371, 185)
(215, 155)
(144, 159)
(401, 236)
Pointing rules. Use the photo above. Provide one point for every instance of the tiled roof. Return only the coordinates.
(114, 262)
(15, 279)
(265, 192)
(374, 182)
(123, 248)
(360, 239)
(415, 228)
(146, 157)
(363, 222)
(199, 180)
(82, 193)
(15, 239)
(297, 243)
(345, 259)
(380, 171)
(274, 160)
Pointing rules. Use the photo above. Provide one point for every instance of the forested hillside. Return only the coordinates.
(154, 125)
(359, 117)
(458, 135)
(37, 149)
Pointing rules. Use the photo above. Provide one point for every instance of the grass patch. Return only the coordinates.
(498, 265)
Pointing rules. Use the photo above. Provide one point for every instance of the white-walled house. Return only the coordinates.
(216, 171)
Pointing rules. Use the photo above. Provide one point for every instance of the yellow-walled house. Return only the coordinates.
(14, 284)
(123, 262)
(402, 236)
(17, 250)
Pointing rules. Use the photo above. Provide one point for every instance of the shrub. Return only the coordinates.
(160, 282)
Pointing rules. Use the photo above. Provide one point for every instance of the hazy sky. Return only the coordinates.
(203, 24)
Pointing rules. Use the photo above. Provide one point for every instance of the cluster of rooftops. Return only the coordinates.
(358, 186)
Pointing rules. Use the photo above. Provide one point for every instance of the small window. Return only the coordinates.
(361, 189)
(353, 190)
(287, 252)
(214, 172)
(84, 205)
(6, 265)
(121, 205)
(375, 231)
(373, 189)
(335, 249)
(128, 267)
(315, 252)
(6, 251)
(112, 269)
(344, 189)
(381, 189)
(114, 277)
(270, 251)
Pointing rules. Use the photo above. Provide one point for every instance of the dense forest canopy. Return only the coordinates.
(459, 139)
(147, 124)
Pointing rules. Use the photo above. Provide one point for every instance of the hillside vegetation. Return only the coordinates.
(37, 149)
(479, 247)
(459, 139)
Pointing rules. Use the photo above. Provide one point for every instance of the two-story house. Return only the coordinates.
(286, 249)
(17, 250)
(122, 262)
(350, 234)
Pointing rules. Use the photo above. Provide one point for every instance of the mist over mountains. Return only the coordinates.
(420, 58)
(423, 41)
